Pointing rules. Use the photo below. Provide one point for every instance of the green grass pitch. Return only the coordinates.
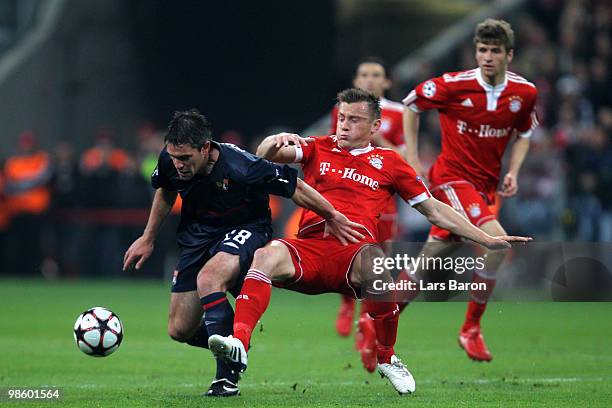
(545, 354)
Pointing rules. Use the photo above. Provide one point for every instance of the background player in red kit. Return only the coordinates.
(480, 111)
(358, 179)
(371, 74)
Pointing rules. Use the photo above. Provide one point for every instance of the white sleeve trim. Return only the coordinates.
(414, 108)
(412, 96)
(526, 135)
(419, 199)
(299, 154)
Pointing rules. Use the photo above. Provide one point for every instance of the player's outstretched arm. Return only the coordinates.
(336, 223)
(517, 156)
(142, 248)
(280, 147)
(444, 216)
(410, 122)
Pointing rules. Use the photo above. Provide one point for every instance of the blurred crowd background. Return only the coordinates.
(71, 208)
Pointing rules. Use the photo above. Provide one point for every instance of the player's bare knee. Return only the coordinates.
(208, 283)
(178, 332)
(272, 261)
(266, 260)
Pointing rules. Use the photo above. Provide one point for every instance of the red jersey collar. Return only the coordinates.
(357, 152)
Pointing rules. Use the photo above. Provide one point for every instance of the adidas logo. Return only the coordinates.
(468, 103)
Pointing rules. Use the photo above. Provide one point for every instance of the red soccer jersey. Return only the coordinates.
(477, 121)
(357, 183)
(391, 121)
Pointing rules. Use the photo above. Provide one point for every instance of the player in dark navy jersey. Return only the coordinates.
(225, 217)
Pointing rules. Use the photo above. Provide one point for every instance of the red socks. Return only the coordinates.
(385, 316)
(473, 314)
(348, 302)
(251, 304)
(478, 303)
(404, 297)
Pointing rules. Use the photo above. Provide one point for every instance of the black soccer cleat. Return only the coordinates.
(222, 388)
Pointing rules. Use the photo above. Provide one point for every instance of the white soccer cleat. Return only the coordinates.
(398, 375)
(229, 349)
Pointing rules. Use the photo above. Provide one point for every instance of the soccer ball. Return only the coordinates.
(98, 332)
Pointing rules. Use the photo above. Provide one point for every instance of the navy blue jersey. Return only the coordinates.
(235, 193)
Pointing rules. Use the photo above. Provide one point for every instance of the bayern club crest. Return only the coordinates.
(515, 104)
(474, 210)
(376, 161)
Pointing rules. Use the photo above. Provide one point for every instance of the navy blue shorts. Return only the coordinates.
(242, 241)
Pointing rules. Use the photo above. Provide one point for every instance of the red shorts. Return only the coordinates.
(322, 265)
(387, 226)
(466, 200)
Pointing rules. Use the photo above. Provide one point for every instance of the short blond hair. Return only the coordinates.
(497, 32)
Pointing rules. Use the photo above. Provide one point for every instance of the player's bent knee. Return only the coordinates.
(208, 283)
(274, 260)
(266, 260)
(179, 333)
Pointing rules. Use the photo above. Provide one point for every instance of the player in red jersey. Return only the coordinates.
(481, 110)
(371, 74)
(358, 179)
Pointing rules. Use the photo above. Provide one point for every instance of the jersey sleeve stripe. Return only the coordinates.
(520, 81)
(419, 198)
(534, 124)
(391, 105)
(414, 108)
(412, 96)
(534, 120)
(460, 77)
(515, 76)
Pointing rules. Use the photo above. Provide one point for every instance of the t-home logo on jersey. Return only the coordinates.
(349, 173)
(488, 131)
(482, 131)
(324, 167)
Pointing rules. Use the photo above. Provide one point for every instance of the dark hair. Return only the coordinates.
(188, 127)
(496, 32)
(372, 60)
(355, 95)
